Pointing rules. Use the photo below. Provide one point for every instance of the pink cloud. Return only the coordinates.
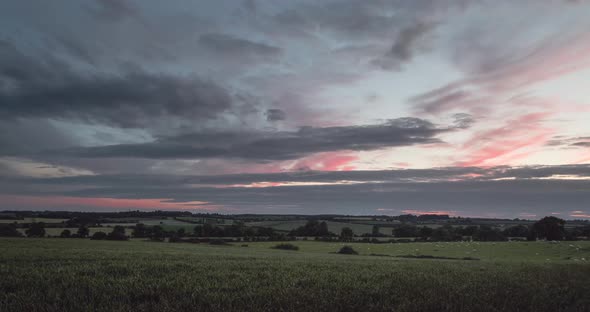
(332, 161)
(17, 201)
(512, 141)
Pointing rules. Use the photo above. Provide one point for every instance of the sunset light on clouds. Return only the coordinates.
(467, 108)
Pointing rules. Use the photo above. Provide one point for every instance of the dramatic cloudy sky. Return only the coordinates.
(472, 108)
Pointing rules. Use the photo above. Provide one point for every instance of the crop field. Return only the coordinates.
(84, 275)
(334, 227)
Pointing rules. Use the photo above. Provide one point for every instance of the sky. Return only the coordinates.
(378, 107)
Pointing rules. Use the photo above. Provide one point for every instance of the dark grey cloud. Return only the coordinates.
(31, 88)
(115, 10)
(440, 100)
(229, 45)
(269, 146)
(569, 142)
(448, 189)
(28, 136)
(409, 176)
(275, 114)
(404, 47)
(463, 120)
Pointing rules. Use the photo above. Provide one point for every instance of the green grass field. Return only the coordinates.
(84, 275)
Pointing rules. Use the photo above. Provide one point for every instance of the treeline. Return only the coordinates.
(548, 228)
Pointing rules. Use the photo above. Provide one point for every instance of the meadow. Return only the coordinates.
(84, 275)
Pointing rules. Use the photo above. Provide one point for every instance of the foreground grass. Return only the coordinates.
(84, 275)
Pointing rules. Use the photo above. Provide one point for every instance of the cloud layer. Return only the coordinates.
(296, 106)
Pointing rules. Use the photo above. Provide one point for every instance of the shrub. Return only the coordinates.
(65, 233)
(217, 242)
(99, 236)
(347, 250)
(286, 247)
(174, 239)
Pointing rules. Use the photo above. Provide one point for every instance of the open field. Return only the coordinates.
(91, 230)
(84, 275)
(31, 220)
(334, 227)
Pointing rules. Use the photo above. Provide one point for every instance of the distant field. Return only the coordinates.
(334, 227)
(30, 220)
(92, 230)
(85, 275)
(564, 252)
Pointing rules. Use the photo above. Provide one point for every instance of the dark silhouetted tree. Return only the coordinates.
(405, 230)
(346, 234)
(425, 232)
(158, 233)
(83, 231)
(99, 236)
(549, 228)
(140, 231)
(486, 233)
(65, 233)
(9, 230)
(118, 233)
(36, 230)
(323, 229)
(375, 231)
(517, 231)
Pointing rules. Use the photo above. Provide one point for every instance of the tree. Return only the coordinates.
(140, 230)
(65, 233)
(425, 232)
(486, 233)
(375, 231)
(468, 230)
(312, 228)
(98, 236)
(517, 231)
(9, 230)
(36, 230)
(83, 231)
(158, 233)
(445, 233)
(118, 233)
(405, 230)
(346, 234)
(549, 228)
(323, 229)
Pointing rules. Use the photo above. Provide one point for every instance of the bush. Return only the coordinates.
(175, 239)
(217, 242)
(65, 233)
(347, 250)
(99, 236)
(286, 247)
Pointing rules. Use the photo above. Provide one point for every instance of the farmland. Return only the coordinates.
(84, 275)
